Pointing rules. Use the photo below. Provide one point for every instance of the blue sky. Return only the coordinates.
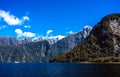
(33, 18)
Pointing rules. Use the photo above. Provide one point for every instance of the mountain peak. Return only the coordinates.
(109, 17)
(87, 27)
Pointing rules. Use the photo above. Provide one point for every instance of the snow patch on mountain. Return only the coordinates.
(51, 39)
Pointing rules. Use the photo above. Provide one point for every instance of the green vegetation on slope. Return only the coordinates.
(106, 59)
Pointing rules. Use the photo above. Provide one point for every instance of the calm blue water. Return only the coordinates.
(58, 70)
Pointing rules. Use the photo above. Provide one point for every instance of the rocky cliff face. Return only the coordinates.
(113, 22)
(115, 26)
(103, 41)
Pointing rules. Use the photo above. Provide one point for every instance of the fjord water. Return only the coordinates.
(58, 70)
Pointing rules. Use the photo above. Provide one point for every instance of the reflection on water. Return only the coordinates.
(58, 70)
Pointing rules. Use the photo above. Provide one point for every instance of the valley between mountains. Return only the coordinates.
(39, 50)
(98, 44)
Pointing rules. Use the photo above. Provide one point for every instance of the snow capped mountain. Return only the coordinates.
(69, 42)
(51, 39)
(87, 27)
(86, 30)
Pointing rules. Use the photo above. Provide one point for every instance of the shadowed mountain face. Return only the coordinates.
(103, 41)
(14, 50)
(30, 52)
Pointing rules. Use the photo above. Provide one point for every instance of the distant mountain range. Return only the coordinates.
(13, 41)
(102, 45)
(51, 40)
(39, 50)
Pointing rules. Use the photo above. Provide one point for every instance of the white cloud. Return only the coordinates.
(20, 33)
(70, 32)
(53, 37)
(12, 20)
(29, 34)
(9, 18)
(27, 26)
(2, 27)
(25, 18)
(57, 36)
(48, 32)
